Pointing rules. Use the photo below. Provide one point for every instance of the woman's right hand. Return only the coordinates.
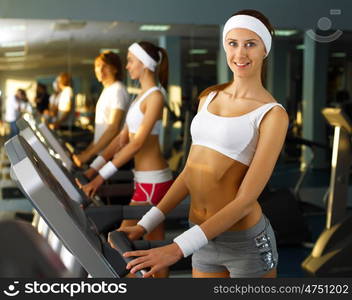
(133, 232)
(91, 188)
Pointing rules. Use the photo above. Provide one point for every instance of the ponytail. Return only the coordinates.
(163, 68)
(158, 53)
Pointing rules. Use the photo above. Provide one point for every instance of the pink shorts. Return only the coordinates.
(151, 186)
(150, 192)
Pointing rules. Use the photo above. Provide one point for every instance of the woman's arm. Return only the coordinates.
(64, 107)
(272, 135)
(273, 130)
(152, 113)
(176, 193)
(115, 145)
(115, 119)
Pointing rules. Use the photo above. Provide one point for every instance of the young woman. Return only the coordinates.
(140, 137)
(111, 106)
(237, 136)
(15, 105)
(65, 104)
(52, 110)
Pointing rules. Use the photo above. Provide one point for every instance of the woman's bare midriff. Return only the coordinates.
(149, 157)
(213, 180)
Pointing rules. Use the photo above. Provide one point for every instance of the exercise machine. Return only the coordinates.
(331, 255)
(49, 138)
(64, 216)
(25, 253)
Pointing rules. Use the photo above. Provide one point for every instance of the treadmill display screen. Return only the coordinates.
(70, 206)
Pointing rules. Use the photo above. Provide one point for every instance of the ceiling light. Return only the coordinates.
(285, 32)
(14, 28)
(154, 27)
(198, 51)
(210, 62)
(114, 50)
(338, 54)
(15, 53)
(193, 65)
(13, 44)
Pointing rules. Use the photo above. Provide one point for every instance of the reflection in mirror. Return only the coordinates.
(33, 51)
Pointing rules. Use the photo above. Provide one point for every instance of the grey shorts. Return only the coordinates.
(246, 253)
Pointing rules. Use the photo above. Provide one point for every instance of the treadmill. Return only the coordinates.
(68, 220)
(104, 216)
(65, 178)
(38, 261)
(64, 216)
(49, 138)
(55, 148)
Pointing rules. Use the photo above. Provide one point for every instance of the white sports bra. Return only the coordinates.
(235, 137)
(135, 116)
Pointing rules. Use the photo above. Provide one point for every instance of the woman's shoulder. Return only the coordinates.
(213, 89)
(153, 96)
(118, 86)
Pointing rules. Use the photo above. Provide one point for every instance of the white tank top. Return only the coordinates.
(135, 116)
(235, 137)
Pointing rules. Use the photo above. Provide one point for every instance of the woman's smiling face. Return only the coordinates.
(245, 52)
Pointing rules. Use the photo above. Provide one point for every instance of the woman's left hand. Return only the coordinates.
(90, 189)
(155, 259)
(53, 126)
(80, 159)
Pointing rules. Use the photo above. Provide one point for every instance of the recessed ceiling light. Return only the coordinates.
(338, 54)
(14, 28)
(147, 27)
(13, 44)
(193, 65)
(15, 53)
(115, 50)
(209, 62)
(285, 32)
(198, 51)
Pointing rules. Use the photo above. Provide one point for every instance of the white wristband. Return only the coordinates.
(97, 163)
(191, 240)
(151, 219)
(108, 170)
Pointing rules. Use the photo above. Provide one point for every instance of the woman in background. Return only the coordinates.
(111, 106)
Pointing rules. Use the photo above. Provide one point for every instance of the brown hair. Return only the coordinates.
(112, 59)
(163, 67)
(265, 21)
(64, 78)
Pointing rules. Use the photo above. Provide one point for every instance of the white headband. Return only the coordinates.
(250, 23)
(143, 56)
